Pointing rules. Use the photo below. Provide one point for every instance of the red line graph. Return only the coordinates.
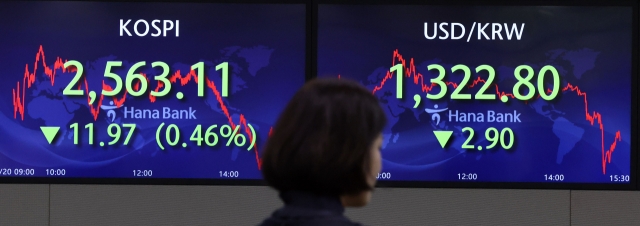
(592, 117)
(30, 78)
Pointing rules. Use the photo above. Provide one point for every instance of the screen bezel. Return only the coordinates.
(311, 72)
(633, 184)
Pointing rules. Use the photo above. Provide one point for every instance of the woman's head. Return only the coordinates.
(327, 141)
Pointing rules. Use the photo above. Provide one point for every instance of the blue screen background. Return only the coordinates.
(263, 44)
(591, 48)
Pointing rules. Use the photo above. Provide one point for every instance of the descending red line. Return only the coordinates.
(418, 79)
(592, 117)
(30, 78)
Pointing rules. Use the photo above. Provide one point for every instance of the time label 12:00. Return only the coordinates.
(137, 84)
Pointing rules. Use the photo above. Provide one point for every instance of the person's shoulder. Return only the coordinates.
(286, 218)
(308, 222)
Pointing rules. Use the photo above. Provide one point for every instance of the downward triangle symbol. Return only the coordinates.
(443, 137)
(49, 132)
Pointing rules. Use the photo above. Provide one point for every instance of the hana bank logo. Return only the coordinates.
(111, 110)
(435, 113)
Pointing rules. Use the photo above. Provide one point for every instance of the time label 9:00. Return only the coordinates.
(17, 172)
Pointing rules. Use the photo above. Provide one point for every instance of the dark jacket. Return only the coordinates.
(307, 209)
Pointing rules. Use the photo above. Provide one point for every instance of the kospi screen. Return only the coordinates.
(492, 94)
(144, 89)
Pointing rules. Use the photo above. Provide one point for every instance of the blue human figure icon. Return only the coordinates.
(435, 113)
(111, 113)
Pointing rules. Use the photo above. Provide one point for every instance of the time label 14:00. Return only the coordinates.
(523, 82)
(137, 84)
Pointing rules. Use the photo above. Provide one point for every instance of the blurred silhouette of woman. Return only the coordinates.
(324, 153)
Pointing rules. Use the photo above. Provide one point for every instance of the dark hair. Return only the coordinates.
(322, 140)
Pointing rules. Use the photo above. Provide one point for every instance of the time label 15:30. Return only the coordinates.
(619, 178)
